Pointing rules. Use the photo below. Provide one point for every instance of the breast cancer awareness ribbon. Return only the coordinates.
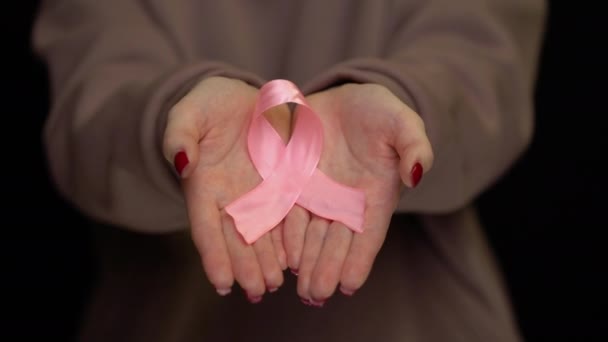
(290, 174)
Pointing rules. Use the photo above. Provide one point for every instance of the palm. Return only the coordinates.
(357, 148)
(216, 114)
(224, 171)
(372, 141)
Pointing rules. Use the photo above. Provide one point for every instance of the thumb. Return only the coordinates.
(181, 138)
(415, 151)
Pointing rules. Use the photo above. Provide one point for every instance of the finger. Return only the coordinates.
(181, 137)
(315, 235)
(269, 263)
(328, 268)
(208, 237)
(363, 251)
(277, 240)
(294, 232)
(414, 149)
(245, 265)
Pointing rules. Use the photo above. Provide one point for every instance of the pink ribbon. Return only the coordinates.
(290, 174)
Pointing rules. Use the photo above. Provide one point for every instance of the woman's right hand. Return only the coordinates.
(206, 139)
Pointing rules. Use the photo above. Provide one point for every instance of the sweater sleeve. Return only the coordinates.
(468, 68)
(114, 73)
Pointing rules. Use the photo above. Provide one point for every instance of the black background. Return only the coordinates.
(544, 218)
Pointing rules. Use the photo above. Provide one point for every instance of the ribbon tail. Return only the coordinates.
(331, 200)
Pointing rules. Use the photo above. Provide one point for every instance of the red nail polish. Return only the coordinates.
(294, 272)
(254, 300)
(305, 301)
(317, 304)
(180, 162)
(416, 174)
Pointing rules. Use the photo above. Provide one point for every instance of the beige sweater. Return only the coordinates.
(467, 67)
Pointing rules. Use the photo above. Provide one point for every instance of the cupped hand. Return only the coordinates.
(373, 142)
(205, 138)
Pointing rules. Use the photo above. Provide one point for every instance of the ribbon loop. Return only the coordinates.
(290, 174)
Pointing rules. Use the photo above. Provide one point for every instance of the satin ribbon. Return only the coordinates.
(290, 174)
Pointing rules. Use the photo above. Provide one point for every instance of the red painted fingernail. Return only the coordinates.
(255, 299)
(305, 301)
(295, 272)
(416, 174)
(317, 304)
(346, 292)
(180, 161)
(273, 289)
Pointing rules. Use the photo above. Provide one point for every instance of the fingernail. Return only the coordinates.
(346, 292)
(223, 292)
(416, 174)
(317, 304)
(272, 290)
(254, 299)
(305, 301)
(180, 161)
(295, 272)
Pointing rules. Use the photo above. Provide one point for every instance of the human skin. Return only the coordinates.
(372, 141)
